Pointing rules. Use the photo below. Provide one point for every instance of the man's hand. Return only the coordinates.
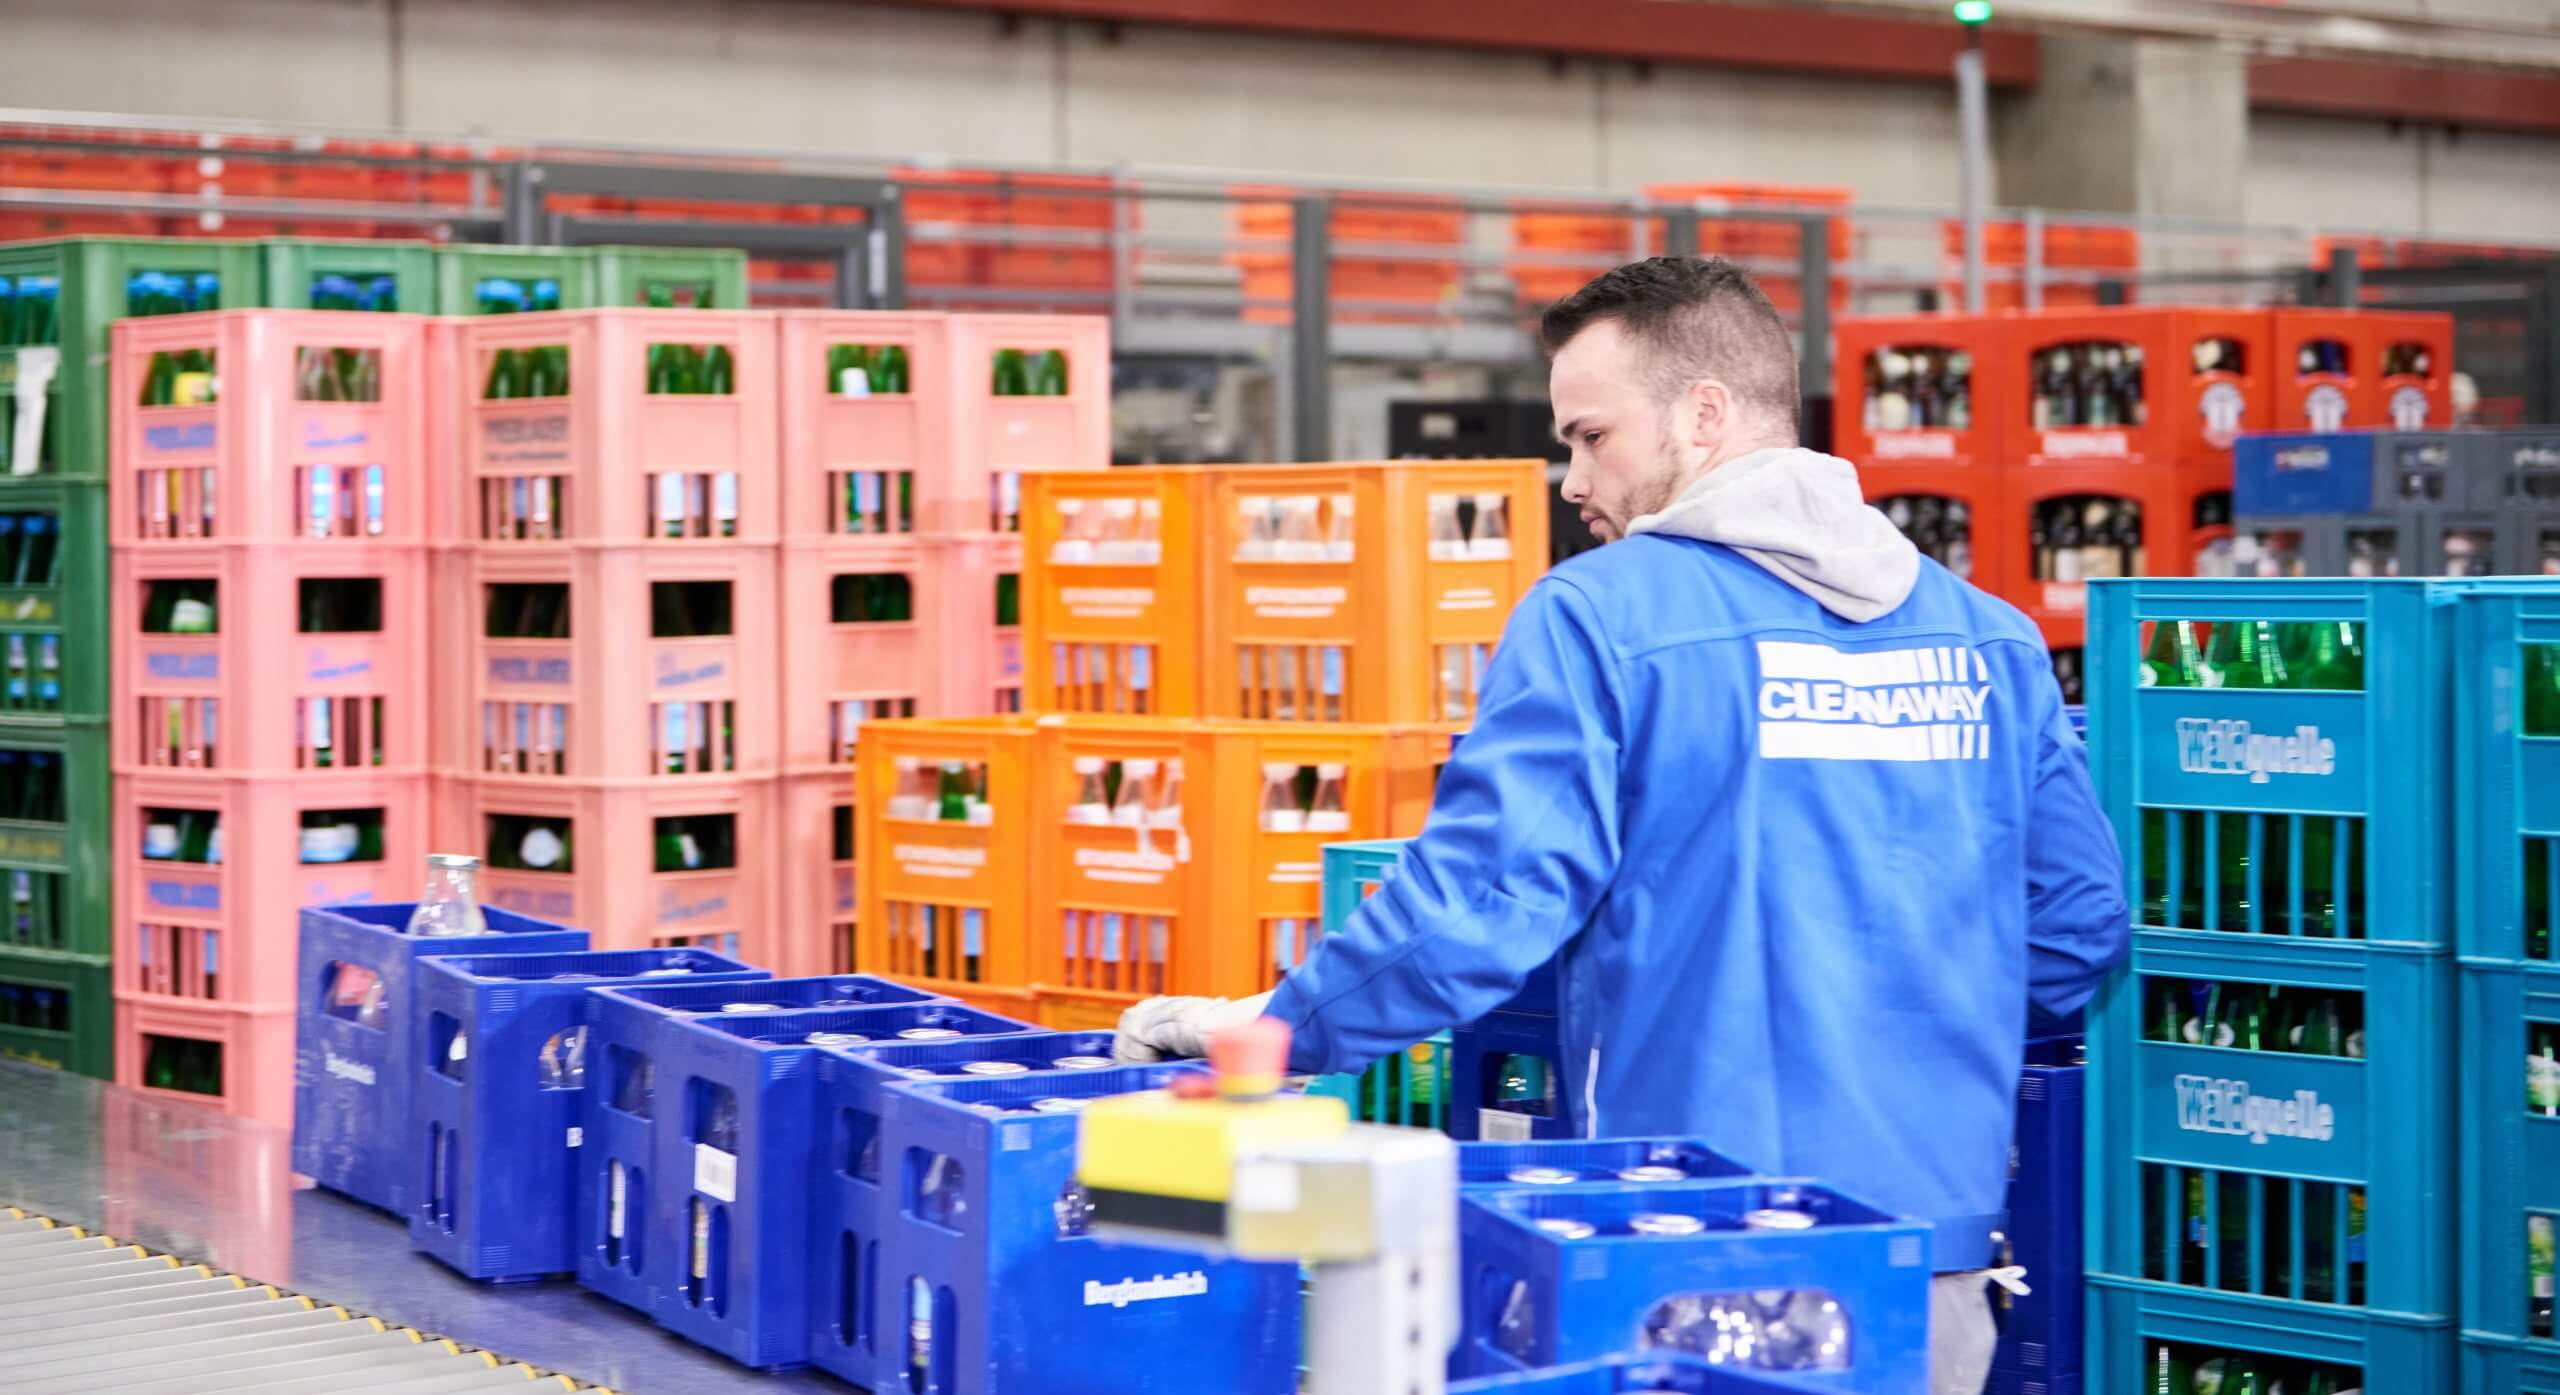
(1179, 1028)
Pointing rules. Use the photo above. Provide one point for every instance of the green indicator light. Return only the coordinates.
(1973, 11)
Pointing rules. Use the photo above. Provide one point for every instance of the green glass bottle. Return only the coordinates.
(2542, 690)
(369, 837)
(719, 372)
(2332, 657)
(159, 384)
(160, 1064)
(1008, 599)
(505, 371)
(1049, 378)
(952, 798)
(893, 378)
(670, 850)
(1011, 380)
(2172, 1373)
(2174, 659)
(2245, 654)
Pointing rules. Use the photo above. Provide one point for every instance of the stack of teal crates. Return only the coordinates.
(2270, 1089)
(57, 302)
(2508, 874)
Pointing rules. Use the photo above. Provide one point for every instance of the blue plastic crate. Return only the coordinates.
(854, 1199)
(352, 1038)
(2511, 1153)
(2009, 1381)
(1479, 1057)
(623, 1027)
(2078, 715)
(2041, 1333)
(2500, 1366)
(1592, 1161)
(1857, 1281)
(1638, 1375)
(2380, 1353)
(2354, 472)
(736, 1153)
(493, 1125)
(2335, 800)
(2508, 782)
(1018, 1296)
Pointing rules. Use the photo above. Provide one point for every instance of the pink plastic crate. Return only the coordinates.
(222, 933)
(837, 675)
(261, 696)
(264, 462)
(255, 1075)
(997, 439)
(813, 865)
(609, 461)
(603, 877)
(611, 701)
(449, 521)
(858, 466)
(982, 668)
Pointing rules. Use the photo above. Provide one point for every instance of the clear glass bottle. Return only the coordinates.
(1492, 539)
(1281, 812)
(1091, 806)
(1328, 814)
(451, 905)
(1164, 801)
(1448, 541)
(1338, 530)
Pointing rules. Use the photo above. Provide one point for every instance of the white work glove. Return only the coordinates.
(1179, 1028)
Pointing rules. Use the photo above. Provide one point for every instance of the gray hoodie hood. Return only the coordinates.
(1800, 515)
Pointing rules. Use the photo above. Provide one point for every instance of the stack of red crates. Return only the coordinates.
(2160, 473)
(270, 653)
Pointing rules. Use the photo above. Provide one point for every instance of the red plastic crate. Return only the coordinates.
(2323, 369)
(995, 440)
(1111, 600)
(1993, 526)
(2167, 515)
(256, 1074)
(196, 934)
(611, 886)
(856, 468)
(261, 697)
(262, 463)
(814, 870)
(2190, 415)
(158, 1152)
(2408, 400)
(610, 701)
(1861, 431)
(610, 461)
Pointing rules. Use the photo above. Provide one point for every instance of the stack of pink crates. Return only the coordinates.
(270, 660)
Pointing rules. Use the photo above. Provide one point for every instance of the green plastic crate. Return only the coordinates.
(53, 629)
(461, 268)
(91, 278)
(388, 275)
(58, 1011)
(696, 279)
(56, 874)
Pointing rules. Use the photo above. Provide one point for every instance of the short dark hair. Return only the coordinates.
(1697, 317)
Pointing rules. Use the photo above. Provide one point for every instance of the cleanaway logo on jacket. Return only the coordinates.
(1821, 703)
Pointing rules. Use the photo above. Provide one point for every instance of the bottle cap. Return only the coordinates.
(1250, 1057)
(452, 860)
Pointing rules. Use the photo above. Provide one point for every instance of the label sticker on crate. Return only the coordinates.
(1915, 445)
(957, 863)
(577, 1136)
(1107, 602)
(715, 1173)
(1467, 598)
(1296, 602)
(1504, 1126)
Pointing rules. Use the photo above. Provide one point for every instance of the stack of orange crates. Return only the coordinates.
(1270, 657)
(1742, 239)
(2021, 442)
(1422, 282)
(269, 501)
(2067, 246)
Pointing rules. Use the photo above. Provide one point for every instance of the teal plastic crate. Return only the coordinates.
(2510, 1152)
(58, 1011)
(379, 275)
(90, 283)
(55, 870)
(704, 279)
(53, 599)
(1352, 871)
(1412, 1086)
(2379, 1353)
(2498, 1366)
(2508, 778)
(2280, 813)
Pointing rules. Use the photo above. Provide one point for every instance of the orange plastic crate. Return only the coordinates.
(610, 885)
(2322, 369)
(814, 874)
(200, 934)
(612, 700)
(609, 461)
(996, 440)
(1861, 433)
(1128, 897)
(1387, 616)
(261, 696)
(2408, 400)
(942, 901)
(256, 1080)
(263, 464)
(1111, 599)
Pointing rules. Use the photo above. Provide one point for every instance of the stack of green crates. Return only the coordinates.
(57, 300)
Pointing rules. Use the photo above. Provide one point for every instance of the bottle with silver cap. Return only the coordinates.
(451, 905)
(1544, 1176)
(1665, 1223)
(1081, 1063)
(836, 1039)
(994, 1068)
(1652, 1172)
(928, 1034)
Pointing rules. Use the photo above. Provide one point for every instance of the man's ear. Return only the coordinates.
(1706, 411)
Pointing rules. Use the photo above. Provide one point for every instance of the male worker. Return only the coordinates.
(1796, 812)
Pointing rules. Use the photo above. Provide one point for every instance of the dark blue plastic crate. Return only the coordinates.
(623, 1036)
(1637, 1375)
(854, 1197)
(738, 1125)
(1591, 1161)
(1478, 1053)
(493, 1141)
(2500, 1366)
(2355, 472)
(1016, 1295)
(2008, 1381)
(351, 1061)
(2508, 858)
(2219, 1170)
(1533, 1298)
(2041, 1332)
(2386, 1353)
(2511, 1152)
(2343, 788)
